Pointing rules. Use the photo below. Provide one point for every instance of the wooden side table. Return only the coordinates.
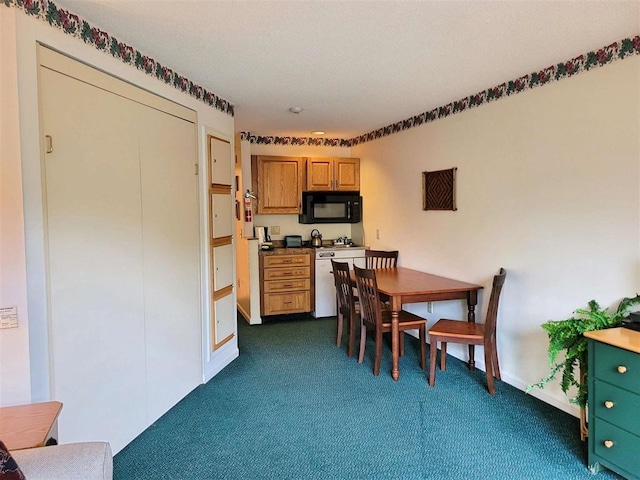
(28, 426)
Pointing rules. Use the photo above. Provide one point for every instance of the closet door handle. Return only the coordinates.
(48, 147)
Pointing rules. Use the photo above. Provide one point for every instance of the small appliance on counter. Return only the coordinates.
(264, 240)
(316, 238)
(632, 321)
(292, 241)
(342, 241)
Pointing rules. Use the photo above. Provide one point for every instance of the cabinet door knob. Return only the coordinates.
(622, 369)
(608, 443)
(608, 404)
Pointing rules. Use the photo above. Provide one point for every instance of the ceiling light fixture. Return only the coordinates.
(318, 132)
(296, 109)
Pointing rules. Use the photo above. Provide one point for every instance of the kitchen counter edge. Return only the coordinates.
(289, 251)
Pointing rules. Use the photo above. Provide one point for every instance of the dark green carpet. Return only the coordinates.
(293, 406)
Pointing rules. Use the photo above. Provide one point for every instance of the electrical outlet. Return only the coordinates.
(429, 307)
(377, 234)
(275, 230)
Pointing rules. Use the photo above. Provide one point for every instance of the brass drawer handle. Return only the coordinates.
(608, 443)
(608, 404)
(622, 369)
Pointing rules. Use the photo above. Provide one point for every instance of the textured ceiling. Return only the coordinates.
(355, 66)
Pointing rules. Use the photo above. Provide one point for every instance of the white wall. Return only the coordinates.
(547, 187)
(30, 31)
(15, 385)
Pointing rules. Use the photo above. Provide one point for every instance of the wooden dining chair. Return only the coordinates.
(378, 319)
(347, 307)
(381, 258)
(469, 333)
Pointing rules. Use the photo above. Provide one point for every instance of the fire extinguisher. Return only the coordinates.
(248, 216)
(247, 209)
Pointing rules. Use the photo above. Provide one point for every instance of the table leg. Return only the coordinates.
(472, 301)
(395, 344)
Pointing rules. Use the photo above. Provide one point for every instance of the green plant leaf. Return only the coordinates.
(566, 340)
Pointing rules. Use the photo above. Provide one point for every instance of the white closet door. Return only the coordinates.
(222, 215)
(221, 161)
(225, 318)
(95, 268)
(222, 267)
(171, 258)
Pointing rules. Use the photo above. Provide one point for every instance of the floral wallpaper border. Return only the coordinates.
(72, 24)
(75, 26)
(604, 56)
(299, 141)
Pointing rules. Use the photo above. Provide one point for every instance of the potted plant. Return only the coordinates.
(567, 337)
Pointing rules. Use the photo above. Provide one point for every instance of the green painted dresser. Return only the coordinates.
(614, 401)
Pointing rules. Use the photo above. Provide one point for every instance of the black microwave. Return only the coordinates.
(331, 207)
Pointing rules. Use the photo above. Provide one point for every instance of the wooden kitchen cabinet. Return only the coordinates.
(333, 174)
(278, 182)
(285, 283)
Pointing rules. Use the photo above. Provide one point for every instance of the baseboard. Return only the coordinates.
(247, 316)
(243, 312)
(520, 385)
(537, 393)
(222, 361)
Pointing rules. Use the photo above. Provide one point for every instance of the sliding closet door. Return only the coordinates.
(95, 276)
(171, 258)
(123, 251)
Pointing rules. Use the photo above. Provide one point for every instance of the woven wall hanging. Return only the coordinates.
(439, 190)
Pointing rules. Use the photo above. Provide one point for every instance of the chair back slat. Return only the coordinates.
(381, 258)
(344, 286)
(370, 309)
(492, 311)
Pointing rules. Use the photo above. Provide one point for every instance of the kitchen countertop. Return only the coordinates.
(289, 251)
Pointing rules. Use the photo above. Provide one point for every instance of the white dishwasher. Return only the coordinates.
(325, 286)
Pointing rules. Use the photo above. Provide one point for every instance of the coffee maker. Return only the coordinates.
(262, 234)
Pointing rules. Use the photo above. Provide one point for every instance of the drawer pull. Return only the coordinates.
(608, 404)
(287, 285)
(287, 273)
(288, 303)
(287, 260)
(622, 369)
(608, 443)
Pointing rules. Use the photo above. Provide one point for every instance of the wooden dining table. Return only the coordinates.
(404, 285)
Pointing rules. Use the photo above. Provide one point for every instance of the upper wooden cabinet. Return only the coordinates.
(278, 182)
(333, 173)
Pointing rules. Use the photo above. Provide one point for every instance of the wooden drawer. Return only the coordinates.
(284, 273)
(623, 453)
(279, 303)
(617, 406)
(287, 285)
(285, 260)
(617, 366)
